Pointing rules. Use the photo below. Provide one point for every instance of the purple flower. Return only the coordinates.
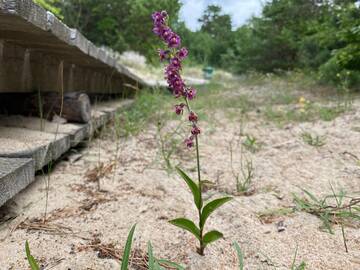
(175, 63)
(166, 33)
(178, 88)
(179, 109)
(174, 41)
(191, 93)
(195, 130)
(163, 54)
(157, 30)
(183, 53)
(158, 18)
(189, 142)
(193, 117)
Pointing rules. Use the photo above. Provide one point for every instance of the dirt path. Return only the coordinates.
(87, 227)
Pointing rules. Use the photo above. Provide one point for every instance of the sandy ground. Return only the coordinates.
(135, 189)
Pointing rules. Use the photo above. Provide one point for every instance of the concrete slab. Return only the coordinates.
(15, 175)
(42, 147)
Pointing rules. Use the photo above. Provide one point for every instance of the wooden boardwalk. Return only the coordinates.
(29, 144)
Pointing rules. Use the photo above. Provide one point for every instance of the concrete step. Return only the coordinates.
(15, 175)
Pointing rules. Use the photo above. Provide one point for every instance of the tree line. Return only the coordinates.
(321, 36)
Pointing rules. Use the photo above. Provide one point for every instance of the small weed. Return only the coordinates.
(313, 140)
(251, 144)
(244, 175)
(152, 263)
(344, 211)
(301, 266)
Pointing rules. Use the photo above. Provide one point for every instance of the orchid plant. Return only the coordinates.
(173, 55)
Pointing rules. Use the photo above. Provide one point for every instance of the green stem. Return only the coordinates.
(201, 226)
(201, 250)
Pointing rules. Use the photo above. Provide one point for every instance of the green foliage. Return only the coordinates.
(323, 37)
(313, 140)
(345, 210)
(127, 250)
(153, 262)
(204, 213)
(251, 144)
(51, 5)
(239, 255)
(32, 262)
(121, 25)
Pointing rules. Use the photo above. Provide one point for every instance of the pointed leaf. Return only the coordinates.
(239, 255)
(30, 258)
(188, 225)
(211, 207)
(193, 187)
(212, 236)
(126, 255)
(151, 260)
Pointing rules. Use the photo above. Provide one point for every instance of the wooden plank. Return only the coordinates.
(41, 146)
(15, 175)
(77, 132)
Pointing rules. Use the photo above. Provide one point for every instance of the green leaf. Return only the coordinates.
(171, 264)
(211, 207)
(126, 255)
(212, 236)
(31, 260)
(239, 255)
(151, 261)
(193, 187)
(188, 225)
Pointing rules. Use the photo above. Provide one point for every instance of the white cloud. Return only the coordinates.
(240, 10)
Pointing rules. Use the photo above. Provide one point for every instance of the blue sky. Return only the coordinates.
(240, 10)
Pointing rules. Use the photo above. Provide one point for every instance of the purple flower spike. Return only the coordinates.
(183, 53)
(172, 73)
(191, 93)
